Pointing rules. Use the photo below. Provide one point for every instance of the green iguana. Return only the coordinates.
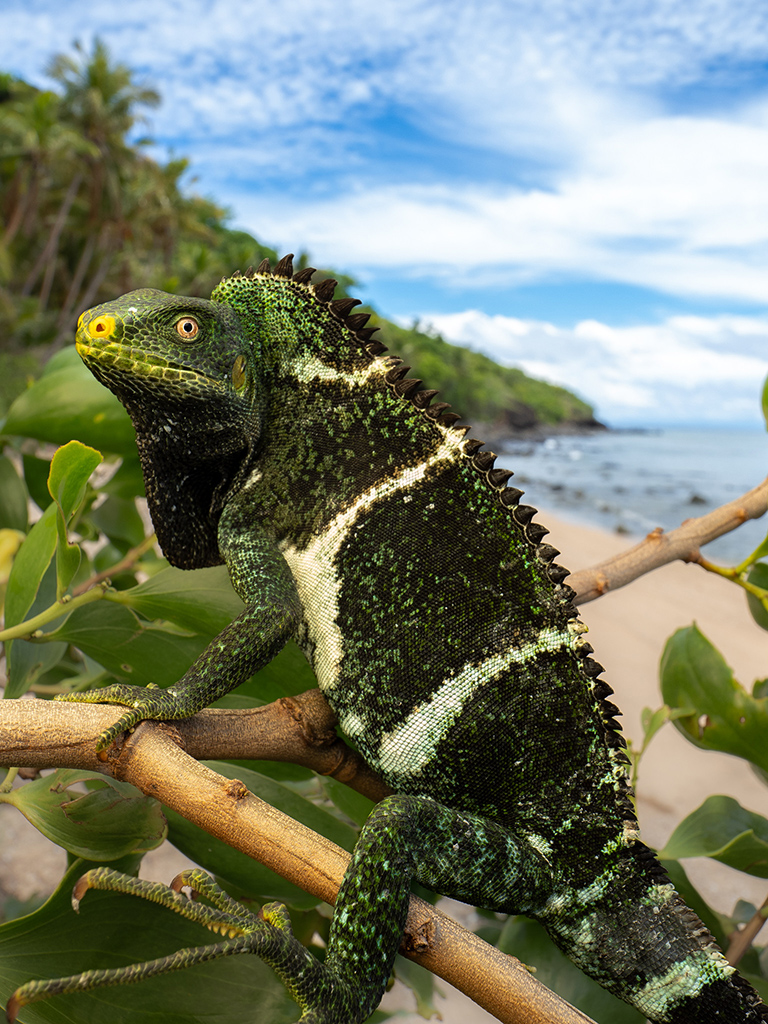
(356, 517)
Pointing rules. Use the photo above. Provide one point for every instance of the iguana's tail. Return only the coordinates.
(639, 940)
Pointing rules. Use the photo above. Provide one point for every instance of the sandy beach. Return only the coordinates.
(628, 629)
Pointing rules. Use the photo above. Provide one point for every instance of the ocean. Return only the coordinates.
(633, 481)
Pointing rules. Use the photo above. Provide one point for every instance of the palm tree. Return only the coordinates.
(100, 99)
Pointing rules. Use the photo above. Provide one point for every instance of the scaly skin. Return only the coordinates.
(355, 517)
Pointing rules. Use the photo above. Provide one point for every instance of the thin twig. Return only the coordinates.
(743, 939)
(131, 558)
(660, 548)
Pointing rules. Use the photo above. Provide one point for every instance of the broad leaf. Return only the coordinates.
(202, 600)
(68, 402)
(113, 931)
(13, 498)
(119, 519)
(32, 577)
(758, 575)
(33, 558)
(108, 821)
(71, 467)
(287, 674)
(723, 830)
(725, 717)
(133, 651)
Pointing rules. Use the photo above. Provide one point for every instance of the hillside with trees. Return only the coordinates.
(87, 215)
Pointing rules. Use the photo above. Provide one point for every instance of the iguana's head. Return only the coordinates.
(170, 347)
(184, 369)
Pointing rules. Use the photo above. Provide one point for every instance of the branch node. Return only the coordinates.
(236, 789)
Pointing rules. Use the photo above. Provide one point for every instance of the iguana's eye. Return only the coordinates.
(238, 373)
(187, 328)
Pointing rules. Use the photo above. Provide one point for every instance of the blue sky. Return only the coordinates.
(577, 188)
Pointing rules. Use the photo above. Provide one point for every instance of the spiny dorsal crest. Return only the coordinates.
(410, 389)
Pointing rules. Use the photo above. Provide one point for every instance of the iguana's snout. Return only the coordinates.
(94, 327)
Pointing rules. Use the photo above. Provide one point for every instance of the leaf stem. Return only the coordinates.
(26, 629)
(735, 575)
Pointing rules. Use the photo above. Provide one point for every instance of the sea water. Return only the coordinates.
(633, 481)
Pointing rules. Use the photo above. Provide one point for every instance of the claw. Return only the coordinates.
(13, 1007)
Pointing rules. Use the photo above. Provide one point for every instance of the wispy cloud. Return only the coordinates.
(684, 370)
(675, 204)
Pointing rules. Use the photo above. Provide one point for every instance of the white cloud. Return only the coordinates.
(674, 204)
(569, 96)
(684, 370)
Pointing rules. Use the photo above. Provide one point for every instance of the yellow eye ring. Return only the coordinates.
(187, 328)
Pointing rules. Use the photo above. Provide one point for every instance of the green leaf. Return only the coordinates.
(27, 661)
(71, 467)
(133, 651)
(119, 519)
(36, 472)
(202, 600)
(764, 401)
(723, 830)
(286, 675)
(109, 821)
(13, 498)
(67, 402)
(33, 558)
(758, 575)
(354, 805)
(725, 717)
(114, 930)
(128, 481)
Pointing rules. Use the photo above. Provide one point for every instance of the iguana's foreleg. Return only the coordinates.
(406, 838)
(247, 644)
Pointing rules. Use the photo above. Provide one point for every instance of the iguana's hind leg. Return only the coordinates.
(456, 854)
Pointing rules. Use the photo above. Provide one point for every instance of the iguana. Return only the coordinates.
(356, 516)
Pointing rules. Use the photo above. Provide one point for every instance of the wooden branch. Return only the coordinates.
(300, 730)
(659, 548)
(43, 734)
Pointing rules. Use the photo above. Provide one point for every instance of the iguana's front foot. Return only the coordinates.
(143, 702)
(267, 934)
